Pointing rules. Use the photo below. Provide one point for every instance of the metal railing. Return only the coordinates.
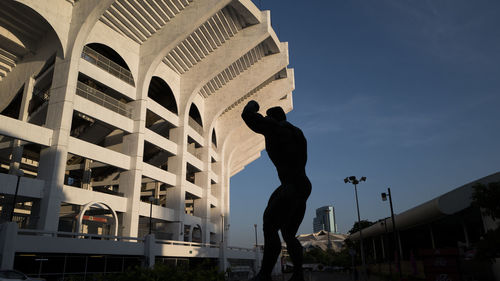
(108, 65)
(101, 98)
(197, 127)
(38, 232)
(189, 244)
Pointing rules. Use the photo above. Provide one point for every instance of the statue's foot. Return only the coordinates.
(259, 277)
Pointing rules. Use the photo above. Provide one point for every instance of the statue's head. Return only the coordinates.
(277, 113)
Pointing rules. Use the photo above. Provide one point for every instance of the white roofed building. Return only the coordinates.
(320, 240)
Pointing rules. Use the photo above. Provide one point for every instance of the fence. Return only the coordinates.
(101, 98)
(108, 65)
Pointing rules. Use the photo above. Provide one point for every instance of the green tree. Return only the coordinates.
(360, 225)
(487, 197)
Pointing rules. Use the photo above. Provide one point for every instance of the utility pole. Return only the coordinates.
(396, 234)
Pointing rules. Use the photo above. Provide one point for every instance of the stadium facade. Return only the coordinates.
(121, 118)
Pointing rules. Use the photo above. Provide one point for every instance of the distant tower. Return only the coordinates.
(325, 219)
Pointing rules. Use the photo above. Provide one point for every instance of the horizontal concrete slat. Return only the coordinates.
(78, 196)
(107, 78)
(163, 112)
(194, 189)
(98, 153)
(158, 174)
(103, 114)
(158, 212)
(193, 160)
(25, 131)
(160, 141)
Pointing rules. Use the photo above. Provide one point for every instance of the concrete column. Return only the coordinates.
(224, 208)
(176, 195)
(8, 236)
(216, 212)
(130, 181)
(374, 249)
(202, 209)
(223, 262)
(157, 190)
(17, 148)
(52, 163)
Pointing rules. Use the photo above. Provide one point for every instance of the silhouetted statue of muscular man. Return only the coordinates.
(287, 148)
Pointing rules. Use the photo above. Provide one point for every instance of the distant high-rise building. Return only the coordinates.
(325, 219)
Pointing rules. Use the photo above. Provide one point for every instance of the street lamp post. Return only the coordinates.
(385, 239)
(396, 234)
(255, 226)
(151, 200)
(20, 173)
(355, 182)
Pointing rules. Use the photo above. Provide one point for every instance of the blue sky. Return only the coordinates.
(406, 93)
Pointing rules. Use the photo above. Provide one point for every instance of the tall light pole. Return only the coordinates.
(396, 234)
(385, 239)
(20, 173)
(255, 226)
(151, 200)
(355, 182)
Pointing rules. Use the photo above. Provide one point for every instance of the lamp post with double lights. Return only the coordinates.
(396, 234)
(355, 182)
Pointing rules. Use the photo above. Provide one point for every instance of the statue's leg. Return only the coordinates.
(289, 230)
(272, 242)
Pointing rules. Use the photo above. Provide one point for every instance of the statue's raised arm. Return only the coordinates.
(255, 121)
